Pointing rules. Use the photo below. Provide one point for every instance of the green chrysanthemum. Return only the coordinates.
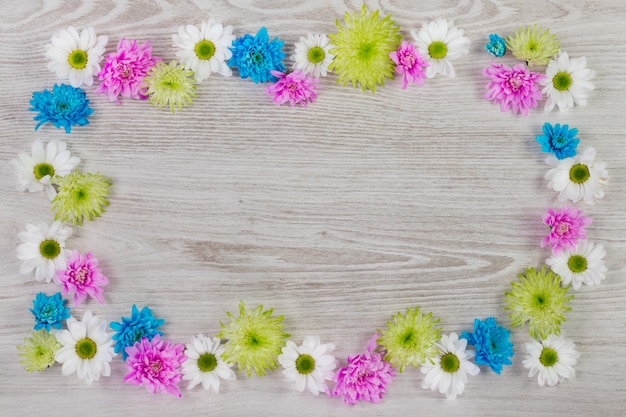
(533, 44)
(410, 339)
(80, 196)
(362, 49)
(537, 298)
(170, 84)
(38, 351)
(254, 338)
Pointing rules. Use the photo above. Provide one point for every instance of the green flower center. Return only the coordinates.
(539, 300)
(253, 340)
(205, 49)
(532, 45)
(86, 348)
(49, 249)
(77, 59)
(366, 51)
(408, 338)
(562, 81)
(305, 364)
(207, 362)
(450, 363)
(579, 173)
(548, 357)
(438, 50)
(316, 55)
(43, 169)
(577, 263)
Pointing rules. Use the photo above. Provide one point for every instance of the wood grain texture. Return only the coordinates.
(337, 215)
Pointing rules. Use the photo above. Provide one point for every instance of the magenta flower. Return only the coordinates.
(295, 88)
(156, 364)
(82, 277)
(567, 226)
(514, 88)
(410, 63)
(364, 378)
(125, 69)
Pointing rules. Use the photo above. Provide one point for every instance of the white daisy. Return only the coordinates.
(204, 363)
(578, 178)
(553, 359)
(43, 249)
(37, 169)
(76, 57)
(86, 349)
(449, 370)
(205, 50)
(583, 265)
(308, 365)
(439, 41)
(312, 56)
(567, 82)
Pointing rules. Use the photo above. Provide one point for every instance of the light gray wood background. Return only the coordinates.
(338, 215)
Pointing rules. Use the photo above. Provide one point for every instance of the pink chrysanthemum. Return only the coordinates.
(82, 277)
(567, 226)
(410, 63)
(514, 88)
(156, 364)
(295, 88)
(364, 378)
(125, 69)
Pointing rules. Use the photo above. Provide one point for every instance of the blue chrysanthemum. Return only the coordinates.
(63, 107)
(256, 56)
(559, 140)
(496, 45)
(130, 330)
(492, 343)
(49, 311)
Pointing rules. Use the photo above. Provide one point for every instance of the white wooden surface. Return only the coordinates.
(337, 215)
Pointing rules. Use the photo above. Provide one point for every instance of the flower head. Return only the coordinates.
(141, 324)
(205, 50)
(365, 377)
(254, 338)
(410, 63)
(492, 343)
(256, 56)
(362, 48)
(578, 178)
(410, 338)
(49, 311)
(35, 171)
(449, 370)
(43, 249)
(559, 140)
(80, 196)
(584, 264)
(38, 351)
(64, 107)
(537, 298)
(86, 348)
(293, 88)
(496, 45)
(441, 42)
(170, 84)
(156, 364)
(125, 69)
(308, 365)
(513, 88)
(204, 363)
(567, 82)
(82, 277)
(553, 359)
(567, 226)
(312, 55)
(533, 44)
(76, 57)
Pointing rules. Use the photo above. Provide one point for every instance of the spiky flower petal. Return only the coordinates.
(80, 196)
(141, 324)
(38, 351)
(49, 311)
(170, 84)
(256, 56)
(64, 107)
(533, 44)
(492, 343)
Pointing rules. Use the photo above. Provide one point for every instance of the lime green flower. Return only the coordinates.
(170, 84)
(80, 196)
(362, 49)
(38, 351)
(539, 300)
(533, 44)
(410, 339)
(254, 338)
